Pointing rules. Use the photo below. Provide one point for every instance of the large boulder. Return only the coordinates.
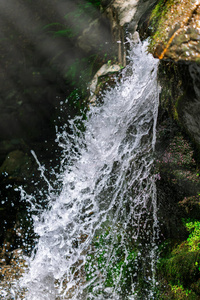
(175, 40)
(176, 30)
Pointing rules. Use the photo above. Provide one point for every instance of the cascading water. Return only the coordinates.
(97, 238)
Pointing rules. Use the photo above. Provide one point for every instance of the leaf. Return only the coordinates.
(52, 24)
(65, 32)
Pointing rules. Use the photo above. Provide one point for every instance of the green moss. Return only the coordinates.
(175, 114)
(179, 292)
(194, 237)
(165, 20)
(181, 266)
(157, 20)
(160, 11)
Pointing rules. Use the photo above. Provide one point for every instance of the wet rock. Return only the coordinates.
(178, 182)
(124, 17)
(180, 97)
(94, 36)
(176, 27)
(188, 105)
(16, 165)
(129, 12)
(7, 146)
(125, 10)
(104, 70)
(11, 272)
(191, 110)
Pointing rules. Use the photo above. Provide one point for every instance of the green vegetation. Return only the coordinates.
(181, 266)
(179, 292)
(159, 12)
(112, 262)
(58, 30)
(80, 68)
(75, 20)
(157, 19)
(194, 238)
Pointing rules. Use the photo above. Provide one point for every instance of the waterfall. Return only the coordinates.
(97, 237)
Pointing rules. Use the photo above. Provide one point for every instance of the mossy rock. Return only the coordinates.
(177, 292)
(174, 26)
(180, 267)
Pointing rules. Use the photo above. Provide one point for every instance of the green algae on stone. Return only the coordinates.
(181, 267)
(157, 19)
(175, 30)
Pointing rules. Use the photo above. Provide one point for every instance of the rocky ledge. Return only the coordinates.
(176, 30)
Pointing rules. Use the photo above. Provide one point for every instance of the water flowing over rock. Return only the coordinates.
(97, 238)
(96, 225)
(124, 17)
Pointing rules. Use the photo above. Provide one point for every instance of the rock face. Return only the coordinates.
(95, 35)
(178, 187)
(126, 10)
(175, 37)
(30, 92)
(104, 70)
(189, 108)
(12, 266)
(176, 26)
(124, 17)
(180, 96)
(17, 162)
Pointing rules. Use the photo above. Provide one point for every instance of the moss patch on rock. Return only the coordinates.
(181, 266)
(174, 25)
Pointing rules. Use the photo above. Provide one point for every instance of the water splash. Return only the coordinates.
(97, 239)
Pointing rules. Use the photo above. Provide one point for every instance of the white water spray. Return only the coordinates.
(97, 239)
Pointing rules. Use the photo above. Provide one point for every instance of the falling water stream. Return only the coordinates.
(97, 238)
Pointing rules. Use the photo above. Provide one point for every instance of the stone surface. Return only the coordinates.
(104, 70)
(94, 36)
(126, 10)
(124, 16)
(178, 181)
(188, 106)
(176, 26)
(16, 164)
(180, 96)
(10, 272)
